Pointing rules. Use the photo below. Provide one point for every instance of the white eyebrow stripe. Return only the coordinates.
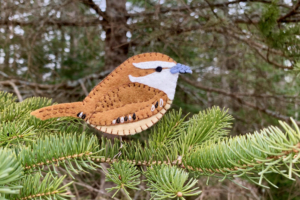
(154, 64)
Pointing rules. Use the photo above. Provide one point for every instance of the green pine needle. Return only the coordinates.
(74, 153)
(10, 171)
(170, 182)
(17, 111)
(167, 130)
(250, 156)
(6, 99)
(48, 188)
(211, 125)
(15, 133)
(124, 175)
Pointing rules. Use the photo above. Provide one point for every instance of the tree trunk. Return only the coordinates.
(115, 28)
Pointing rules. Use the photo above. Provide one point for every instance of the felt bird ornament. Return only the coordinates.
(130, 99)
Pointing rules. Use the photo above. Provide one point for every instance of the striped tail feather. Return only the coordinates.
(60, 110)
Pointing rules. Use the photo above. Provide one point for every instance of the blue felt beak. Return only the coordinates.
(180, 68)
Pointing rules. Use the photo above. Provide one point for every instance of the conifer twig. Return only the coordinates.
(16, 90)
(239, 99)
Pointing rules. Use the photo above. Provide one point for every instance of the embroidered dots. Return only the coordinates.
(121, 120)
(134, 116)
(80, 114)
(161, 102)
(152, 108)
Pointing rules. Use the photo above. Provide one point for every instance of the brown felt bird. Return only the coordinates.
(130, 99)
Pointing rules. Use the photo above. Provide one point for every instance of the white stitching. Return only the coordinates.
(161, 102)
(152, 108)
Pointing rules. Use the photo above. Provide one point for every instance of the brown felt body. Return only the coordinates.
(135, 126)
(125, 101)
(60, 110)
(116, 96)
(120, 77)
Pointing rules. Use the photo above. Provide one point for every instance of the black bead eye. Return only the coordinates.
(158, 69)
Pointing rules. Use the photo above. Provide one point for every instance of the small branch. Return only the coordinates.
(250, 42)
(240, 100)
(54, 91)
(292, 12)
(96, 22)
(199, 6)
(211, 6)
(94, 189)
(271, 62)
(16, 90)
(3, 74)
(83, 87)
(91, 4)
(181, 164)
(52, 22)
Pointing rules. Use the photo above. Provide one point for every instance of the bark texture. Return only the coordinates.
(114, 25)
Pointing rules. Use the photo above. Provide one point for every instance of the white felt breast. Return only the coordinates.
(164, 81)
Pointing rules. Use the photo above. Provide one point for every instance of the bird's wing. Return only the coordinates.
(127, 104)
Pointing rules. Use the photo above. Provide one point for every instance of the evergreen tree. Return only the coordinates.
(36, 156)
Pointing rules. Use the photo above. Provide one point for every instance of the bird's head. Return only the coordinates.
(153, 69)
(158, 71)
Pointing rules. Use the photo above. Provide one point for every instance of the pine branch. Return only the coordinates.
(211, 124)
(240, 100)
(250, 156)
(10, 171)
(123, 174)
(136, 153)
(171, 138)
(15, 133)
(48, 188)
(170, 182)
(6, 99)
(167, 130)
(19, 126)
(17, 111)
(72, 152)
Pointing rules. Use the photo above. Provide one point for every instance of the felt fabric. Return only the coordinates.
(134, 127)
(120, 77)
(180, 68)
(130, 99)
(60, 110)
(125, 101)
(164, 81)
(154, 64)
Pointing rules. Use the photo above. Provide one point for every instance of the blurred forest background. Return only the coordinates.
(244, 55)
